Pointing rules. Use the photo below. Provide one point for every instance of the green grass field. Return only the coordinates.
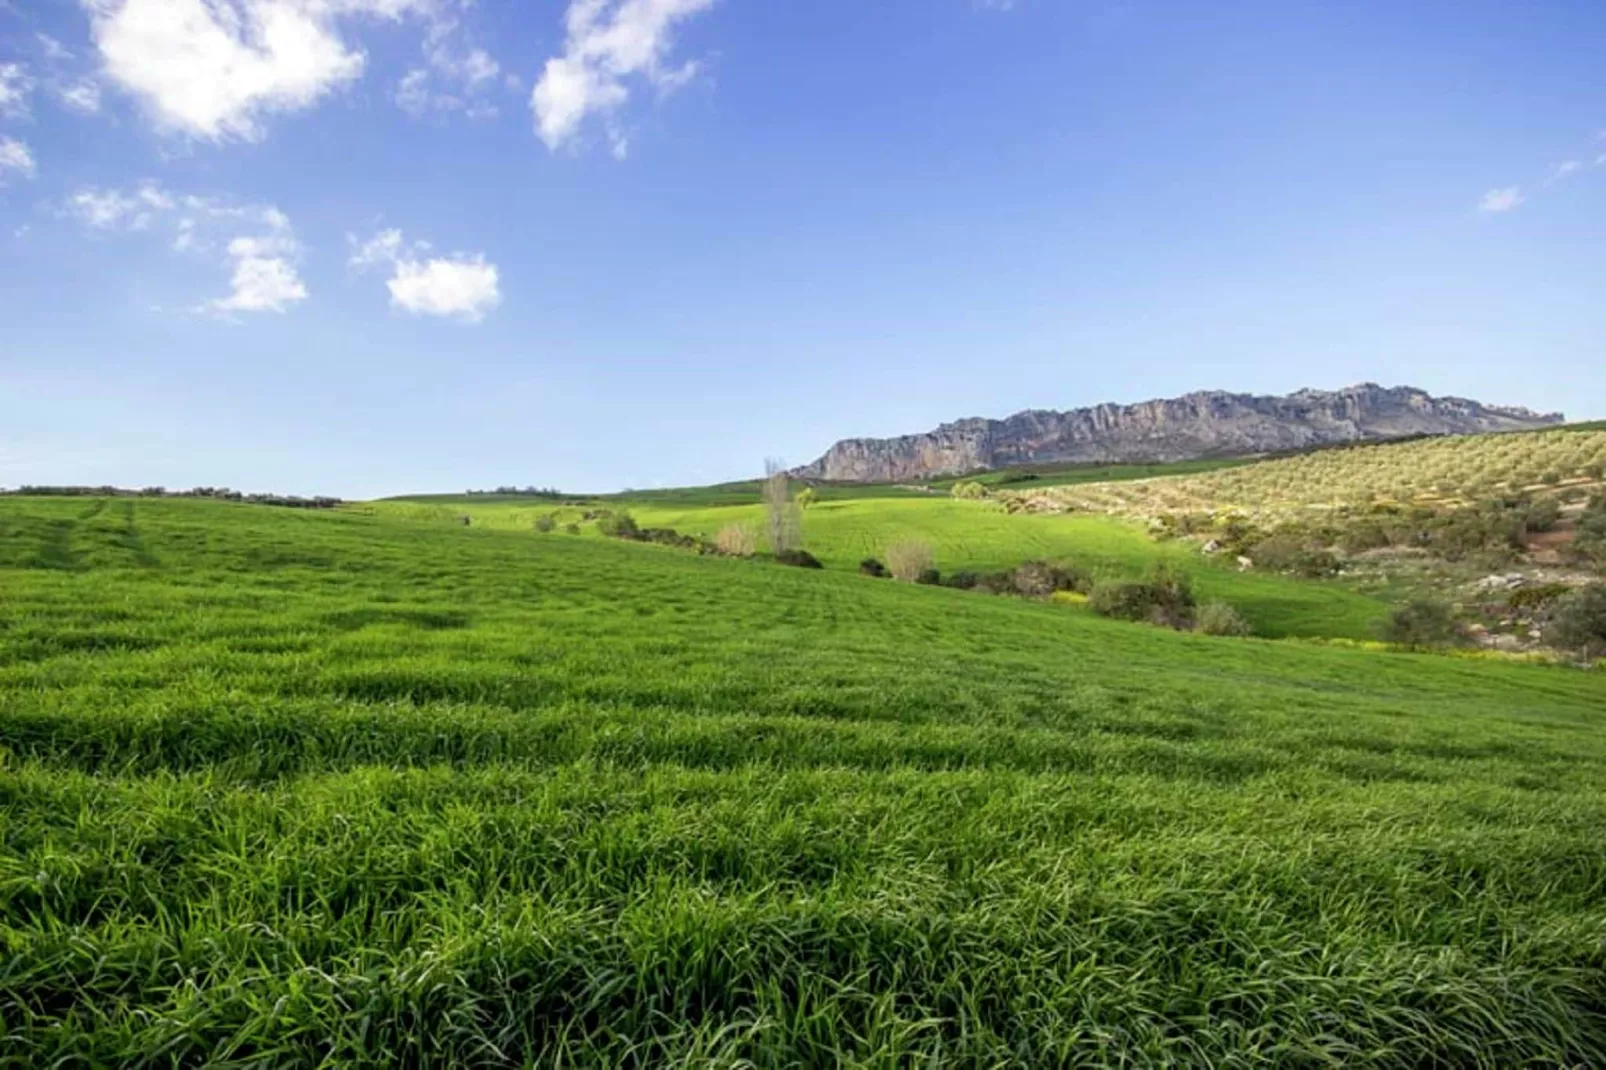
(367, 788)
(978, 536)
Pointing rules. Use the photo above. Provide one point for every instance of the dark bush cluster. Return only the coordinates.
(1165, 598)
(1529, 599)
(1422, 624)
(1039, 579)
(619, 525)
(1033, 579)
(622, 525)
(1578, 622)
(870, 566)
(798, 559)
(1589, 544)
(1287, 552)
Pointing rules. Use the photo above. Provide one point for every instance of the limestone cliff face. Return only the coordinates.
(1207, 424)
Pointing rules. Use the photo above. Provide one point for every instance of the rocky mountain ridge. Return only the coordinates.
(1202, 424)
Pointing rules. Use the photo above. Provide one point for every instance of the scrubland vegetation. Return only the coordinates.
(581, 783)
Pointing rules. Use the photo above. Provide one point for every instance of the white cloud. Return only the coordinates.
(16, 157)
(608, 42)
(457, 286)
(466, 288)
(15, 88)
(259, 245)
(214, 68)
(261, 282)
(1501, 200)
(81, 96)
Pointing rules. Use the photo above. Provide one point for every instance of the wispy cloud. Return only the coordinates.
(258, 244)
(1506, 198)
(53, 50)
(1562, 170)
(1501, 200)
(16, 159)
(455, 77)
(16, 86)
(609, 43)
(82, 96)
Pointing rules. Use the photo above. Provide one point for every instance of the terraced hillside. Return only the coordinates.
(1438, 471)
(284, 788)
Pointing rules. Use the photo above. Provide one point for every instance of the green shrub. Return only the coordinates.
(1039, 579)
(964, 579)
(1528, 599)
(1364, 535)
(995, 582)
(1218, 618)
(571, 529)
(1542, 515)
(1166, 599)
(1287, 552)
(798, 559)
(546, 523)
(1421, 624)
(969, 489)
(807, 497)
(1589, 542)
(929, 577)
(619, 525)
(871, 567)
(1578, 622)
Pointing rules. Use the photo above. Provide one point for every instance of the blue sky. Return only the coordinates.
(367, 247)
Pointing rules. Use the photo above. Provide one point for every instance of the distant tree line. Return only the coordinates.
(519, 492)
(288, 501)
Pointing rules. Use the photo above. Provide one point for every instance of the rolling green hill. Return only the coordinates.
(977, 535)
(367, 788)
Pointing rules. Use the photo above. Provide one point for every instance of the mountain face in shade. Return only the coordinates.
(1206, 424)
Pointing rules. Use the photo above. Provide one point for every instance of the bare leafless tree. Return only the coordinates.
(909, 559)
(736, 540)
(783, 519)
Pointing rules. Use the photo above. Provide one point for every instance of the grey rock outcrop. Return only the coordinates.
(1205, 424)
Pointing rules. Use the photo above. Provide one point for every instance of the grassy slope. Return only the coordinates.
(975, 535)
(302, 787)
